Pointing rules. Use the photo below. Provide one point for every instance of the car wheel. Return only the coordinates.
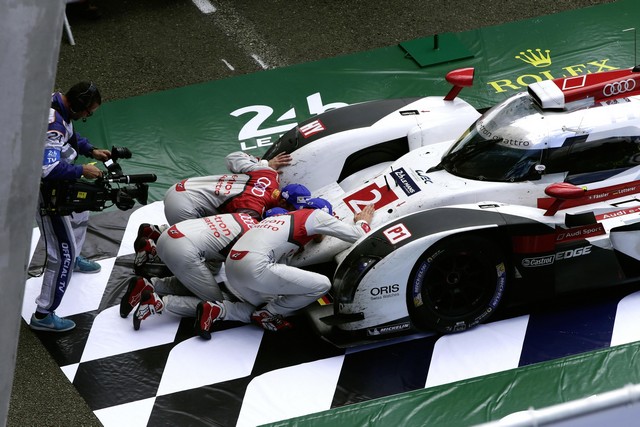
(456, 284)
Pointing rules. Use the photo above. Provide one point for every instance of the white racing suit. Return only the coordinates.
(251, 187)
(187, 248)
(257, 270)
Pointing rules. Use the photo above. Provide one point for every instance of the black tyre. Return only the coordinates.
(456, 284)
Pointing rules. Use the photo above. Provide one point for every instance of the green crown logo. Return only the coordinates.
(537, 58)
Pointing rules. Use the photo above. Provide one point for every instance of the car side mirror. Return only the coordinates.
(462, 77)
(560, 192)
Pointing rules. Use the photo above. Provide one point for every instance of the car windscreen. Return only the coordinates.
(495, 148)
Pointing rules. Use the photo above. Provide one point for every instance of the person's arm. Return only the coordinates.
(84, 146)
(54, 169)
(320, 222)
(241, 162)
(86, 149)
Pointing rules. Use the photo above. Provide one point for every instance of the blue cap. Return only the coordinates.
(275, 211)
(296, 194)
(318, 203)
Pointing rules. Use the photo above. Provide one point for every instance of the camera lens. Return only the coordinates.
(120, 153)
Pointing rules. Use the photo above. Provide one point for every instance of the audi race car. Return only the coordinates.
(360, 139)
(539, 196)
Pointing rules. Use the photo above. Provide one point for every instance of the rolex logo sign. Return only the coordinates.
(536, 58)
(539, 67)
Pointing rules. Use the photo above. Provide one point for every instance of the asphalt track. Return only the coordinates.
(142, 46)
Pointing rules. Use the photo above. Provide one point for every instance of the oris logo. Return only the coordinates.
(617, 88)
(385, 291)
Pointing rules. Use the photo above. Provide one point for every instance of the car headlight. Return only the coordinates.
(349, 275)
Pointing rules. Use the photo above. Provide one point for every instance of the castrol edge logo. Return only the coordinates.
(546, 260)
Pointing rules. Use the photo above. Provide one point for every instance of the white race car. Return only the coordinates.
(539, 196)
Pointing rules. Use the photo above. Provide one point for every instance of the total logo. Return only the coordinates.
(550, 259)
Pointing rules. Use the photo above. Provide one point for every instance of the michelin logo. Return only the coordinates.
(383, 330)
(405, 182)
(543, 261)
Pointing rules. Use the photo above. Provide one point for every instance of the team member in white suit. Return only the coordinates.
(257, 270)
(188, 249)
(252, 186)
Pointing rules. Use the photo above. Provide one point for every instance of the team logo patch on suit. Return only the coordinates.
(180, 186)
(237, 255)
(174, 232)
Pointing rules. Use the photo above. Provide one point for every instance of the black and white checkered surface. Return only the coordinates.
(163, 375)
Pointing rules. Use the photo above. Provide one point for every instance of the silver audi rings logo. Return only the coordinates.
(616, 88)
(260, 187)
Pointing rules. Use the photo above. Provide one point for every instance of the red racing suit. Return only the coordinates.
(257, 270)
(251, 187)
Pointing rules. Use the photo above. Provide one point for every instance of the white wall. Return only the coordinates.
(30, 36)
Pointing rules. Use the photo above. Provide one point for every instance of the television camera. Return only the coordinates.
(65, 196)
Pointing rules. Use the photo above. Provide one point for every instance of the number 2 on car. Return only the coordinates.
(377, 194)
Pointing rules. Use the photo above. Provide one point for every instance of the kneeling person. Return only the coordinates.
(257, 270)
(189, 249)
(252, 187)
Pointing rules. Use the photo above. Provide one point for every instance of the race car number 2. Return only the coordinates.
(378, 195)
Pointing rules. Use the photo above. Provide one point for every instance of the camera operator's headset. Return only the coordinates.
(84, 100)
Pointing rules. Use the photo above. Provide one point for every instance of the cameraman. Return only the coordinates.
(64, 235)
